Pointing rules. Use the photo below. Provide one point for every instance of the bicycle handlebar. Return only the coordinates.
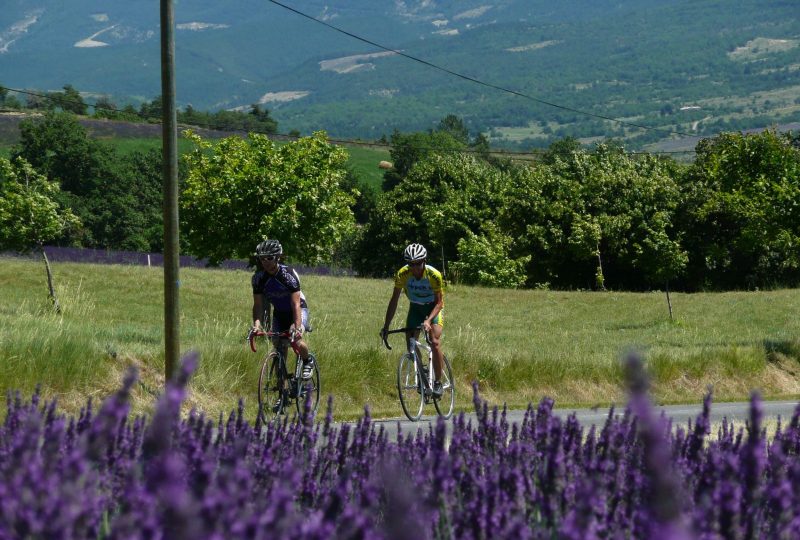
(293, 337)
(399, 330)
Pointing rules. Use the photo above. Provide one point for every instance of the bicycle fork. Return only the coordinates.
(421, 372)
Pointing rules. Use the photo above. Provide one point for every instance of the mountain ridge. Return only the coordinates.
(644, 61)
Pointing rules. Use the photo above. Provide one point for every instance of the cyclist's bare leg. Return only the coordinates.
(303, 346)
(436, 340)
(280, 345)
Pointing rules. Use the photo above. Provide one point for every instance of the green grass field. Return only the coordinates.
(364, 161)
(128, 145)
(518, 345)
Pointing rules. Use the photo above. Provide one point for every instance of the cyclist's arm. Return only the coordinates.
(437, 307)
(258, 309)
(392, 307)
(297, 312)
(439, 299)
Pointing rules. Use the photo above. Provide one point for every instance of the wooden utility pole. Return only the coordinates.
(170, 174)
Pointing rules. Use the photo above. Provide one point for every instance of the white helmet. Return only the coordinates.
(415, 252)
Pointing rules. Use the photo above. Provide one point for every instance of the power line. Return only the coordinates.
(478, 81)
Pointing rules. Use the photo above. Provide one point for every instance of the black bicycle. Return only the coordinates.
(415, 378)
(277, 387)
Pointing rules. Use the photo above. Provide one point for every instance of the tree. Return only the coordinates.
(454, 126)
(442, 199)
(593, 217)
(239, 191)
(118, 199)
(538, 214)
(741, 212)
(152, 109)
(409, 148)
(562, 149)
(485, 260)
(60, 148)
(266, 123)
(627, 216)
(71, 101)
(29, 213)
(35, 101)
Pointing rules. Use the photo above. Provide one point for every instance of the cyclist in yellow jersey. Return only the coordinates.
(424, 288)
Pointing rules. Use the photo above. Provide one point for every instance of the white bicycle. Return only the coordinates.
(415, 377)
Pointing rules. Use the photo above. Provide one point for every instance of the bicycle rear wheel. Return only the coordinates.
(310, 386)
(445, 404)
(409, 387)
(271, 382)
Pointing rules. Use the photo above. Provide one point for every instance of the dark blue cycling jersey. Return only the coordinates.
(278, 289)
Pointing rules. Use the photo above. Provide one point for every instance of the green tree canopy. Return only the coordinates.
(741, 211)
(455, 126)
(30, 214)
(442, 198)
(486, 260)
(409, 148)
(239, 191)
(70, 100)
(59, 147)
(625, 221)
(117, 198)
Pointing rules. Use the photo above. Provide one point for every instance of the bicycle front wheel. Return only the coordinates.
(447, 402)
(409, 387)
(271, 397)
(310, 386)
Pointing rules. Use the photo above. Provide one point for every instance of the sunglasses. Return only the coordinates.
(418, 263)
(269, 258)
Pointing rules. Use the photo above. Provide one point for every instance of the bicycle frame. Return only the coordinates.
(423, 371)
(415, 376)
(296, 386)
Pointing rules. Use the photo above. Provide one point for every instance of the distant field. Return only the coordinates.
(364, 162)
(518, 345)
(127, 138)
(128, 146)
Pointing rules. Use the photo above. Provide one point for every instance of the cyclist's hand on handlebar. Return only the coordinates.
(296, 332)
(384, 335)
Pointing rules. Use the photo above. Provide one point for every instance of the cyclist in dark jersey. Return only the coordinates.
(278, 285)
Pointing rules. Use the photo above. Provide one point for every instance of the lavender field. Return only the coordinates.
(107, 475)
(137, 258)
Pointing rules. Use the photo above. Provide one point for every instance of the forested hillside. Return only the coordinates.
(685, 67)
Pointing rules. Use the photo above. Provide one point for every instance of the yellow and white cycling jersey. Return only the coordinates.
(422, 290)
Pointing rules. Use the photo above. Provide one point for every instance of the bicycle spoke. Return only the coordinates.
(312, 387)
(270, 383)
(409, 387)
(446, 403)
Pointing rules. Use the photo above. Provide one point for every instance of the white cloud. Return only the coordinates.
(91, 42)
(9, 36)
(200, 26)
(473, 13)
(351, 64)
(272, 97)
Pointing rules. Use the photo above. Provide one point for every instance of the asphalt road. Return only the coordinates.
(680, 414)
